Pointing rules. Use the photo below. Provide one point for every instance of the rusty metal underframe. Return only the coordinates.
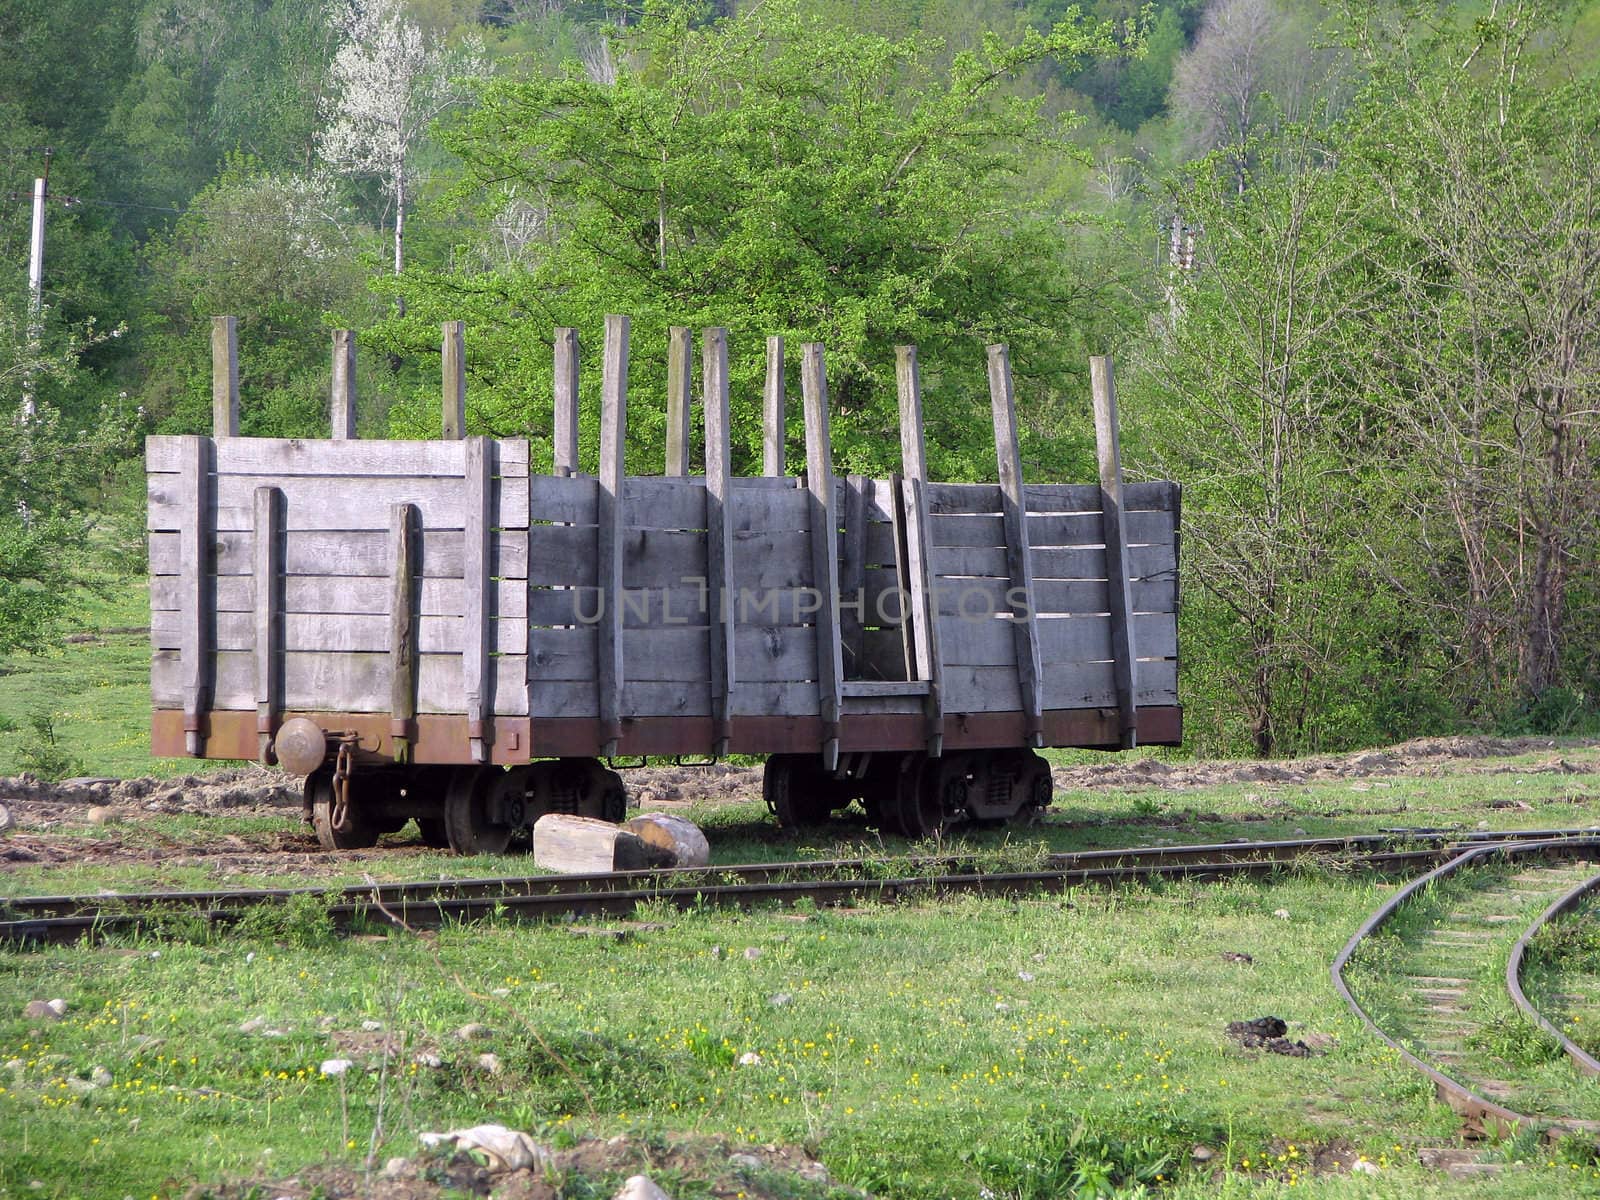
(443, 739)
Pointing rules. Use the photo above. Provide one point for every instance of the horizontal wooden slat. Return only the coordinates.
(665, 699)
(773, 699)
(345, 682)
(351, 502)
(561, 555)
(878, 544)
(1087, 529)
(662, 557)
(649, 502)
(769, 510)
(670, 607)
(767, 561)
(1051, 563)
(568, 499)
(1063, 641)
(774, 653)
(976, 596)
(859, 688)
(563, 698)
(341, 633)
(980, 689)
(1048, 497)
(297, 456)
(1092, 685)
(343, 594)
(363, 553)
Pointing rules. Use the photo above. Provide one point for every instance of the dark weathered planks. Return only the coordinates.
(679, 368)
(719, 532)
(191, 545)
(564, 439)
(609, 531)
(267, 618)
(361, 553)
(914, 579)
(772, 414)
(1124, 644)
(824, 548)
(453, 374)
(402, 627)
(342, 391)
(1019, 557)
(477, 618)
(224, 377)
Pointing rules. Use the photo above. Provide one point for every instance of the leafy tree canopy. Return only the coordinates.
(775, 174)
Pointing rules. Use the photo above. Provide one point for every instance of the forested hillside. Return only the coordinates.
(1347, 257)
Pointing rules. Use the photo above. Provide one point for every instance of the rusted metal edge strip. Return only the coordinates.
(1581, 1058)
(1456, 1094)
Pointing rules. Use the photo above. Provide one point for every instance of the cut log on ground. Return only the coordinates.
(678, 836)
(583, 845)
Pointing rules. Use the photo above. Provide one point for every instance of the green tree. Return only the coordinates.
(775, 173)
(281, 254)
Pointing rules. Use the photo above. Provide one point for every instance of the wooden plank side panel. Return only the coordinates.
(340, 633)
(341, 682)
(280, 457)
(768, 509)
(336, 594)
(363, 553)
(564, 500)
(1047, 497)
(664, 503)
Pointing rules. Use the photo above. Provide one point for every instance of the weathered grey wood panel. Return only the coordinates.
(772, 561)
(362, 553)
(1145, 562)
(1048, 529)
(342, 633)
(342, 682)
(567, 500)
(652, 503)
(304, 456)
(334, 502)
(348, 594)
(1048, 497)
(753, 699)
(561, 556)
(769, 510)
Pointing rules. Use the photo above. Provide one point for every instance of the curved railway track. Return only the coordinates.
(1457, 1017)
(43, 920)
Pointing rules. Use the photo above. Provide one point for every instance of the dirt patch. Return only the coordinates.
(718, 1168)
(1419, 758)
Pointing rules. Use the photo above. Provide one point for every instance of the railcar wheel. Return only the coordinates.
(484, 808)
(934, 795)
(336, 829)
(797, 790)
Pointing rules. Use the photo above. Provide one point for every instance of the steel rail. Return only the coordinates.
(1582, 1060)
(1471, 1106)
(39, 907)
(438, 903)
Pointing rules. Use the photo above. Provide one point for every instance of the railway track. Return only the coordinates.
(1441, 965)
(41, 920)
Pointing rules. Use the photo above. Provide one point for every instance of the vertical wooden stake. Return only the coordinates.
(613, 435)
(224, 376)
(195, 536)
(453, 360)
(853, 575)
(719, 531)
(1019, 554)
(1125, 665)
(477, 580)
(565, 434)
(915, 578)
(342, 401)
(679, 368)
(267, 582)
(824, 547)
(772, 416)
(402, 629)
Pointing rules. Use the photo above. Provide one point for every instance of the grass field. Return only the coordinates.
(1061, 1046)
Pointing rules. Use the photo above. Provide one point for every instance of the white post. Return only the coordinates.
(35, 292)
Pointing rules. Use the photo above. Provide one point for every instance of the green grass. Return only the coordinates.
(97, 691)
(911, 1054)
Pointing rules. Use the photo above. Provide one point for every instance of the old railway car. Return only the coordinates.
(429, 630)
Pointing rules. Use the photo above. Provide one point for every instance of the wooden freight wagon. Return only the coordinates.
(429, 630)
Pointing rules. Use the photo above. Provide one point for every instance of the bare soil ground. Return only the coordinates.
(53, 821)
(720, 1169)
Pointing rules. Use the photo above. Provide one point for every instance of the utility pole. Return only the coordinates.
(41, 190)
